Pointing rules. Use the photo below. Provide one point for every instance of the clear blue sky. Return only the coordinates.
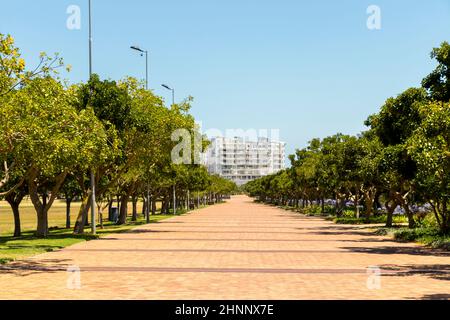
(308, 68)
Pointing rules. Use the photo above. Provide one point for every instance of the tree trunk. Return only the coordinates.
(148, 212)
(411, 222)
(14, 199)
(68, 203)
(144, 206)
(153, 206)
(42, 223)
(17, 227)
(82, 214)
(390, 213)
(86, 220)
(188, 201)
(369, 197)
(340, 203)
(369, 209)
(123, 209)
(44, 199)
(403, 200)
(445, 218)
(356, 202)
(110, 205)
(135, 200)
(167, 205)
(42, 219)
(100, 209)
(42, 208)
(163, 206)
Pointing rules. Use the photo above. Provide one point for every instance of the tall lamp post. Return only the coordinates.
(147, 211)
(173, 92)
(174, 187)
(146, 62)
(93, 222)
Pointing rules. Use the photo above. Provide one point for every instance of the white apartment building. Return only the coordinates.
(242, 161)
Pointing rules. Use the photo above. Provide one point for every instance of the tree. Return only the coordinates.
(111, 105)
(53, 136)
(394, 125)
(429, 146)
(368, 170)
(403, 159)
(438, 82)
(53, 140)
(12, 66)
(13, 76)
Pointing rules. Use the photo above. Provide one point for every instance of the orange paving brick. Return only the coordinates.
(237, 250)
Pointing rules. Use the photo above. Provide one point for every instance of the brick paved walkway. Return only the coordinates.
(237, 250)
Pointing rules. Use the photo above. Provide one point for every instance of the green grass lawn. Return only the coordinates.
(28, 245)
(56, 216)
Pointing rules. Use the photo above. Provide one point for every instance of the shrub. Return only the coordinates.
(312, 211)
(430, 236)
(351, 219)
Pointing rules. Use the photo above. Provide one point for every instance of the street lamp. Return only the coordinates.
(174, 187)
(93, 223)
(173, 92)
(147, 211)
(146, 62)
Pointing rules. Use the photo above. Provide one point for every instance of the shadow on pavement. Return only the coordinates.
(436, 271)
(443, 297)
(417, 251)
(148, 231)
(27, 267)
(365, 240)
(344, 233)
